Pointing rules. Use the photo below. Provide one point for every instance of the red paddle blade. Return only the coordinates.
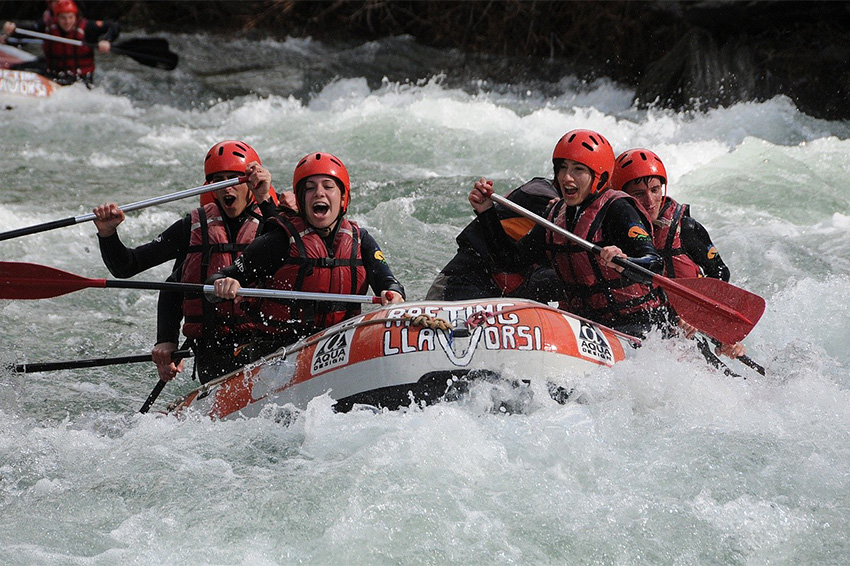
(33, 281)
(723, 311)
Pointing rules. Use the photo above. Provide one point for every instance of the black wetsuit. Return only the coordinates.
(469, 274)
(270, 251)
(696, 243)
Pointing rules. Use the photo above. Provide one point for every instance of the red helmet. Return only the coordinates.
(635, 164)
(588, 148)
(230, 155)
(65, 6)
(322, 164)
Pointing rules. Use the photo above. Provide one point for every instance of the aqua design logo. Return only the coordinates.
(591, 342)
(334, 350)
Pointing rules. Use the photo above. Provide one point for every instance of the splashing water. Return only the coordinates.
(664, 461)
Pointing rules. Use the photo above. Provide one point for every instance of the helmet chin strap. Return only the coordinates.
(603, 180)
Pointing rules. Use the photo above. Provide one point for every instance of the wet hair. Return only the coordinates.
(644, 181)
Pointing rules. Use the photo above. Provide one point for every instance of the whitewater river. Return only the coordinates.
(666, 462)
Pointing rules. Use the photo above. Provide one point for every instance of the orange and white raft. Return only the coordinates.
(22, 83)
(412, 352)
(25, 83)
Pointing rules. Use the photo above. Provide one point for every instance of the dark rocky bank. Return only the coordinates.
(676, 54)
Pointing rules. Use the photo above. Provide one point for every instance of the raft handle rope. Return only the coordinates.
(428, 321)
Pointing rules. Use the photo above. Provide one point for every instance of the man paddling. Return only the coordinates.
(67, 63)
(684, 244)
(200, 244)
(595, 287)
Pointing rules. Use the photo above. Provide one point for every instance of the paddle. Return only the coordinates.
(33, 281)
(157, 389)
(719, 309)
(745, 359)
(94, 362)
(704, 348)
(126, 208)
(149, 51)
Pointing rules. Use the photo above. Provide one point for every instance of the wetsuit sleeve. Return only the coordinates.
(123, 262)
(169, 313)
(267, 209)
(698, 246)
(261, 259)
(380, 276)
(626, 228)
(97, 30)
(507, 254)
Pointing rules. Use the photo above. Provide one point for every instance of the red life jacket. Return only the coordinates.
(593, 289)
(210, 251)
(667, 230)
(62, 58)
(311, 268)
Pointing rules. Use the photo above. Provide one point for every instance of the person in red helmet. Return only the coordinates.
(684, 244)
(319, 250)
(63, 62)
(594, 287)
(209, 238)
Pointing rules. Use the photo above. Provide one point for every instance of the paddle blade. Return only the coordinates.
(33, 281)
(149, 51)
(723, 311)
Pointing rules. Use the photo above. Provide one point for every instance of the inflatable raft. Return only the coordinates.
(22, 83)
(412, 353)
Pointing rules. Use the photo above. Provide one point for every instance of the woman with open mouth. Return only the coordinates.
(594, 286)
(316, 250)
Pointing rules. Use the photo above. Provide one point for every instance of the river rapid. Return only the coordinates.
(666, 461)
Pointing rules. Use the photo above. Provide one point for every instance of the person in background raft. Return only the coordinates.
(66, 63)
(684, 244)
(318, 251)
(209, 238)
(470, 273)
(594, 287)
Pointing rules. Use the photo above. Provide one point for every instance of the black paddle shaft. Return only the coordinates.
(157, 286)
(157, 389)
(94, 362)
(27, 230)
